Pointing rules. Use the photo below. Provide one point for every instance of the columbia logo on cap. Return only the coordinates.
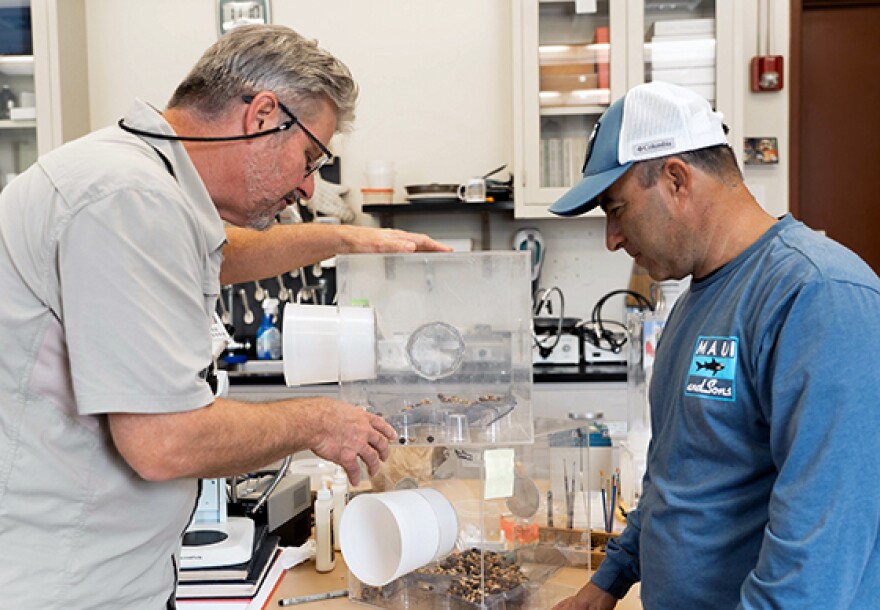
(656, 145)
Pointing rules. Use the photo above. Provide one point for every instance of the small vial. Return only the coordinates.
(325, 560)
(458, 430)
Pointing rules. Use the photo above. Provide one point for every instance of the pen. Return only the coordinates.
(604, 509)
(292, 601)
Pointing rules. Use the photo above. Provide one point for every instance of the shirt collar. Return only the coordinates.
(145, 117)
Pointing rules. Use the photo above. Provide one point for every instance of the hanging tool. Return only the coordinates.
(248, 316)
(283, 291)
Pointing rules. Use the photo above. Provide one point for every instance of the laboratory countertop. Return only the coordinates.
(304, 580)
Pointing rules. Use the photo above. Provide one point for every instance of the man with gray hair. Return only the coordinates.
(112, 253)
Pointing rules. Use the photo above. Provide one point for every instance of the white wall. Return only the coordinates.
(435, 77)
(766, 113)
(436, 86)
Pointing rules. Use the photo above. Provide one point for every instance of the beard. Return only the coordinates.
(265, 206)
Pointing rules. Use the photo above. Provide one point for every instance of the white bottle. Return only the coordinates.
(340, 499)
(325, 560)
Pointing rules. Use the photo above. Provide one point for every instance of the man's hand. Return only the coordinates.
(341, 433)
(590, 597)
(370, 240)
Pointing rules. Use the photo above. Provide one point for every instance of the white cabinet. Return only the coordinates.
(18, 127)
(572, 58)
(50, 86)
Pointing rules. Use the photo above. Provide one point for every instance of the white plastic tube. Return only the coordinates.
(324, 343)
(386, 535)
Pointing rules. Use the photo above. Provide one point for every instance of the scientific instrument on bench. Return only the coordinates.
(217, 538)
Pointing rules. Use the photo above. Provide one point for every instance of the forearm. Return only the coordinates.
(252, 255)
(225, 438)
(230, 437)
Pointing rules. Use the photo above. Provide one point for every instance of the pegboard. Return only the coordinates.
(237, 299)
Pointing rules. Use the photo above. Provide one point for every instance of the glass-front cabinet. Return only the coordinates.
(572, 58)
(18, 125)
(43, 80)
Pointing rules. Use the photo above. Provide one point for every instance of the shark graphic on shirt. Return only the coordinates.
(713, 366)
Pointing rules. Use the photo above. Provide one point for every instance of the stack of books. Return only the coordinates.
(234, 587)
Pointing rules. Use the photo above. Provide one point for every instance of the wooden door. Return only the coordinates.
(835, 113)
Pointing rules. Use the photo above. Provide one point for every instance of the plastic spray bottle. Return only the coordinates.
(268, 335)
(325, 559)
(340, 499)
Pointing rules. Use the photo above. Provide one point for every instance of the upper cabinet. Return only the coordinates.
(572, 58)
(43, 80)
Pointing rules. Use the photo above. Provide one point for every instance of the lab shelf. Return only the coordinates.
(7, 124)
(387, 212)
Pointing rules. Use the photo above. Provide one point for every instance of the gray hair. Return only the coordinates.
(253, 58)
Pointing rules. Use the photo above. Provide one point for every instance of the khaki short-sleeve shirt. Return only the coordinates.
(109, 271)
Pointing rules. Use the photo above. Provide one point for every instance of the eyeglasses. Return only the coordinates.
(311, 165)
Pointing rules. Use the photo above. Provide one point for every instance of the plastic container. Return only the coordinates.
(453, 344)
(380, 175)
(268, 335)
(339, 488)
(325, 559)
(316, 469)
(377, 196)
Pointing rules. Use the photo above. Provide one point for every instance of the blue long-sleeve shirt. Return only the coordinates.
(763, 481)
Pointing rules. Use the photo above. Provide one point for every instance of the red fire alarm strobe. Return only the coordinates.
(767, 73)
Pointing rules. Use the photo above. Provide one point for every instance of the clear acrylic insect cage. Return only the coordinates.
(453, 345)
(527, 549)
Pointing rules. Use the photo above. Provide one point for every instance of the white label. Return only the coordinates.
(499, 473)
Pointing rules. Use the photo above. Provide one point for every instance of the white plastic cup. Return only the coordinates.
(386, 535)
(380, 174)
(325, 343)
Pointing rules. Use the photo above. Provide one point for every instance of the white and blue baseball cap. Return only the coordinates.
(652, 120)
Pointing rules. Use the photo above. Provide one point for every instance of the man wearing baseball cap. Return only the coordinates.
(760, 490)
